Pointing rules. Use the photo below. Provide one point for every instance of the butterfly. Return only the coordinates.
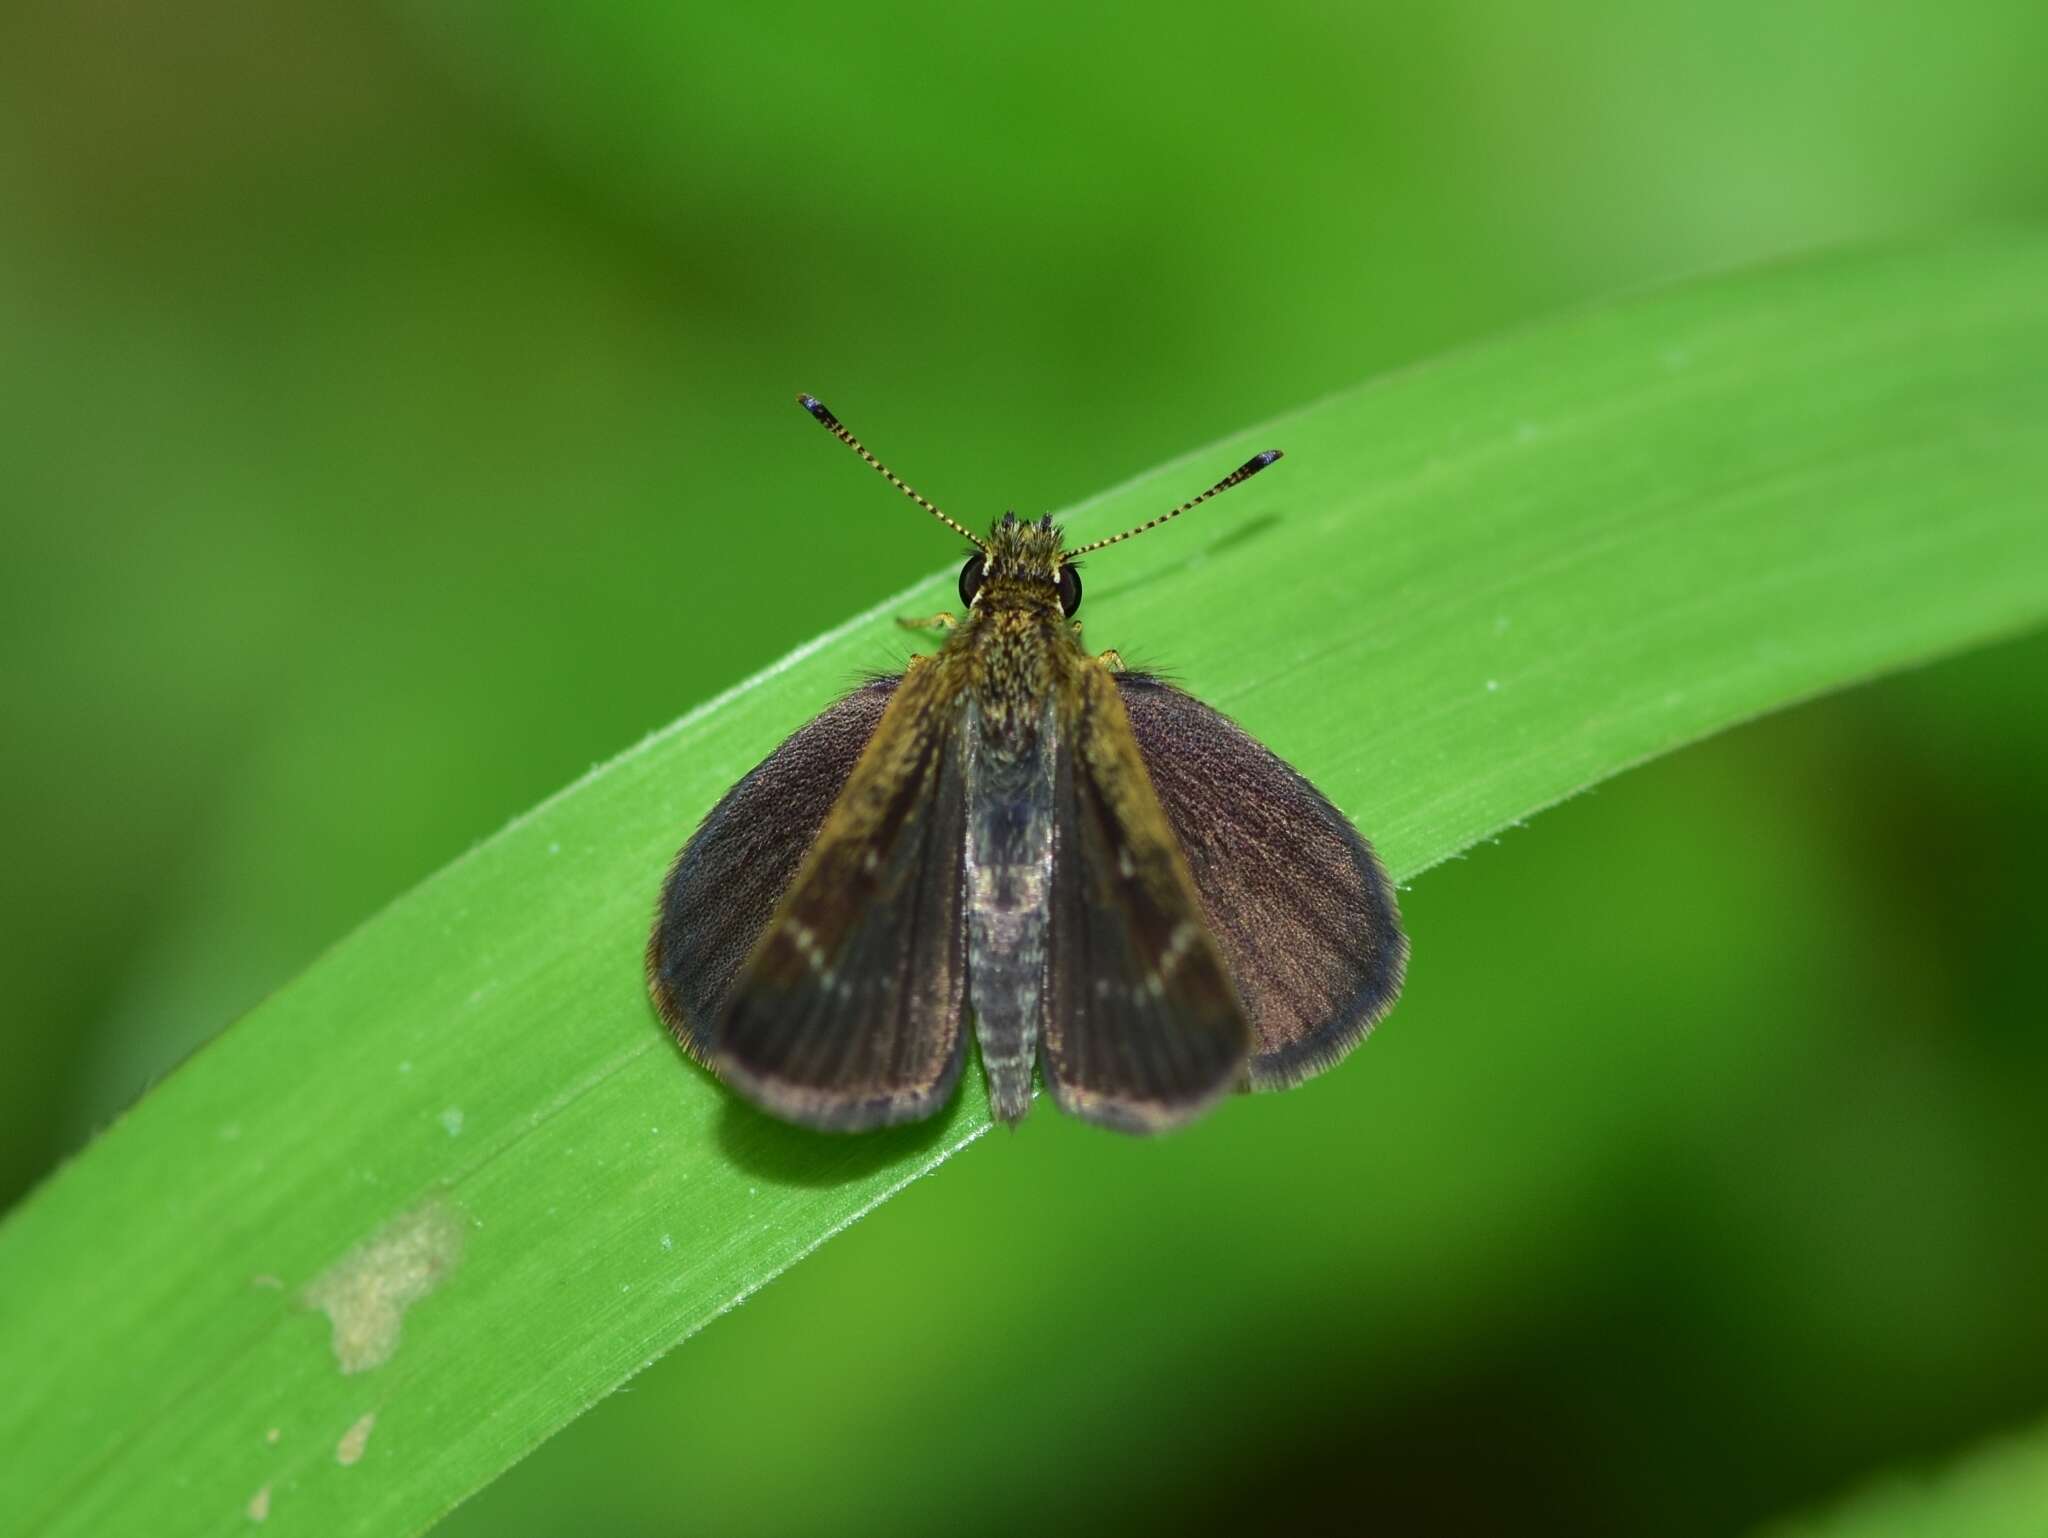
(1119, 885)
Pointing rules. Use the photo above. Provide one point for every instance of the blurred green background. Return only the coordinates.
(397, 420)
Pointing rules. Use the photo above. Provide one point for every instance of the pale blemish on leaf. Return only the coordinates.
(259, 1505)
(451, 1121)
(365, 1294)
(350, 1448)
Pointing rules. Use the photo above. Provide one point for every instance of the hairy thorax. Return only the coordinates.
(1015, 644)
(1015, 658)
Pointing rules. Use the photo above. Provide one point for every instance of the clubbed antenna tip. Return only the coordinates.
(832, 425)
(1243, 472)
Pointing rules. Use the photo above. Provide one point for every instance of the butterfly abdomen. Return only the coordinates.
(1009, 882)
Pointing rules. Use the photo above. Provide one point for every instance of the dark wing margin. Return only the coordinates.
(1143, 1030)
(723, 885)
(846, 1013)
(1297, 901)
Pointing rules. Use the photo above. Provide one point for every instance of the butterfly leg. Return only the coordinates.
(940, 621)
(1112, 659)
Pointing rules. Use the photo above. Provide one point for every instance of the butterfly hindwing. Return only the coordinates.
(1297, 901)
(847, 1013)
(1143, 1029)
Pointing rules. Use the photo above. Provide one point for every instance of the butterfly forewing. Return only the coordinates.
(847, 1013)
(1296, 900)
(725, 884)
(1143, 1029)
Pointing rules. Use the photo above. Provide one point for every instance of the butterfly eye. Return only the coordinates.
(970, 577)
(1070, 590)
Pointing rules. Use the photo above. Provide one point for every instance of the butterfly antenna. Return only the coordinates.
(818, 409)
(1243, 472)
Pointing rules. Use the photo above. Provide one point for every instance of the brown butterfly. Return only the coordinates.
(1121, 885)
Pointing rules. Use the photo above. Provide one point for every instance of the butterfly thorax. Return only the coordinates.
(1015, 642)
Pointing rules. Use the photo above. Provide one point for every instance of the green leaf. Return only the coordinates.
(1999, 1491)
(452, 1185)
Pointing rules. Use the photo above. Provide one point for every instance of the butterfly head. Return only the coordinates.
(1021, 566)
